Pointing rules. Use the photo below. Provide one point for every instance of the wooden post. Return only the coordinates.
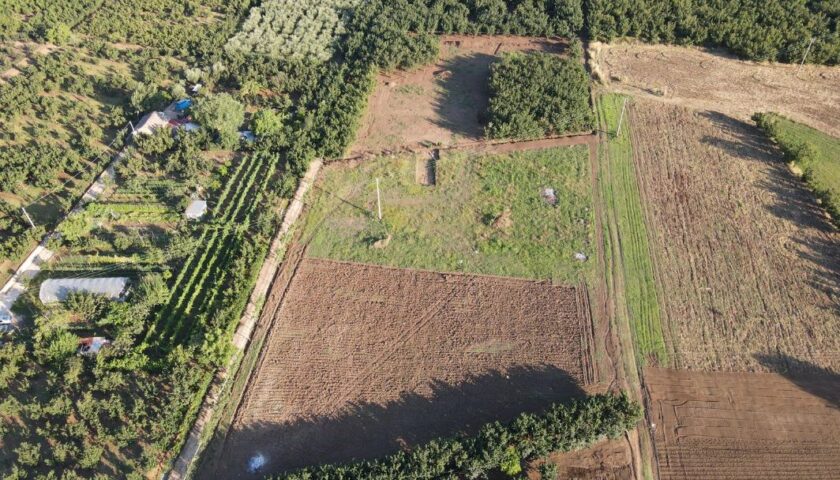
(28, 218)
(807, 51)
(621, 118)
(378, 200)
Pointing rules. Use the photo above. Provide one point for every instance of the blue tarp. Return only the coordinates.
(182, 105)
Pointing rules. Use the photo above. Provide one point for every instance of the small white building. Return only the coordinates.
(151, 122)
(57, 289)
(196, 209)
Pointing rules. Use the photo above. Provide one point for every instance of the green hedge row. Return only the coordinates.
(563, 427)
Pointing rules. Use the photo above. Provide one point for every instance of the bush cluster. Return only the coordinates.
(537, 94)
(819, 167)
(496, 447)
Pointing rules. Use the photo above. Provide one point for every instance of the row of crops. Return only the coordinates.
(197, 285)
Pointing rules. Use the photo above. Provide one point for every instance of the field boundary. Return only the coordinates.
(483, 146)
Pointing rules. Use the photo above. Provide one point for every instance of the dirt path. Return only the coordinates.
(483, 146)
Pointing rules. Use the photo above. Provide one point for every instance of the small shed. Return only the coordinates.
(151, 122)
(196, 209)
(92, 345)
(57, 289)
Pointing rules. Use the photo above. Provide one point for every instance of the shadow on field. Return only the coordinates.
(816, 380)
(462, 107)
(370, 430)
(812, 239)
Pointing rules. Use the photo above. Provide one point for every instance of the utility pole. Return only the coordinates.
(133, 131)
(807, 51)
(378, 200)
(621, 118)
(28, 218)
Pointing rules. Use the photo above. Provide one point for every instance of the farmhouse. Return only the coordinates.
(151, 122)
(57, 289)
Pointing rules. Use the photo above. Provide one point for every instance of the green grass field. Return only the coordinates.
(815, 153)
(625, 236)
(485, 215)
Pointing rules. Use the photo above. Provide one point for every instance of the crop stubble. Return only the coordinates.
(364, 360)
(748, 264)
(744, 425)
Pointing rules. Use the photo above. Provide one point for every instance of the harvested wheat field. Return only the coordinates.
(744, 425)
(746, 260)
(364, 360)
(442, 103)
(706, 80)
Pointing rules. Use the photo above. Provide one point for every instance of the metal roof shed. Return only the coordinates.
(57, 289)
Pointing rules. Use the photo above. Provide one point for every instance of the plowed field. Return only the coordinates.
(706, 80)
(744, 425)
(748, 265)
(364, 360)
(441, 103)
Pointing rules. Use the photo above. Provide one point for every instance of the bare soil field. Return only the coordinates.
(744, 425)
(606, 460)
(439, 104)
(364, 360)
(706, 80)
(747, 263)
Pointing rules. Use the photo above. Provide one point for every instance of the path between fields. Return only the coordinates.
(486, 146)
(194, 444)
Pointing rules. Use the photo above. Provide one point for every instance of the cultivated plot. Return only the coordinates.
(706, 80)
(440, 104)
(364, 360)
(747, 262)
(744, 425)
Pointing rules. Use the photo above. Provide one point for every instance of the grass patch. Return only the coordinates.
(485, 215)
(626, 236)
(815, 153)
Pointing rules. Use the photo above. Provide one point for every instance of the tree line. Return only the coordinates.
(496, 447)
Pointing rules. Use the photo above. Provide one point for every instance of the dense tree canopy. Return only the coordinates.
(537, 94)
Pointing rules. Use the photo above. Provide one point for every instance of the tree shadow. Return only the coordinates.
(816, 380)
(464, 84)
(368, 430)
(813, 239)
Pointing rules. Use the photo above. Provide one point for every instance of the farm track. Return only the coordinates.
(745, 425)
(488, 147)
(751, 272)
(329, 358)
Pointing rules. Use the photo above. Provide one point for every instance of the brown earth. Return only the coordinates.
(364, 360)
(748, 264)
(606, 460)
(442, 103)
(744, 425)
(709, 80)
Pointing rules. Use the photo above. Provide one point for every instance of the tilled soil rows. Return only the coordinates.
(744, 425)
(364, 360)
(748, 265)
